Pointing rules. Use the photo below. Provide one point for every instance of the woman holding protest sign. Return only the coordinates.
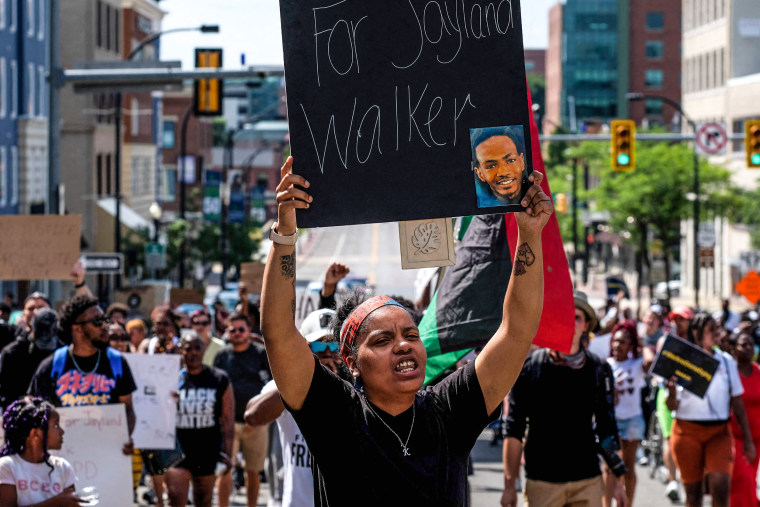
(403, 444)
(700, 439)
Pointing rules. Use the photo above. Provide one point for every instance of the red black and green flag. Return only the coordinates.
(466, 309)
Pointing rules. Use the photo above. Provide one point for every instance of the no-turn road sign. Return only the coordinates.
(711, 138)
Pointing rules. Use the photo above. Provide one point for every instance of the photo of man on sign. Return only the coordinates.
(498, 161)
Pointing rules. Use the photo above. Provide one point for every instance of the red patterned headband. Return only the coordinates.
(354, 321)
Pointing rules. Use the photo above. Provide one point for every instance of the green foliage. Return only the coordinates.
(537, 87)
(203, 242)
(557, 150)
(218, 131)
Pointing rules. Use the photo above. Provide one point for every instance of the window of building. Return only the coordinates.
(116, 43)
(2, 14)
(3, 87)
(653, 107)
(99, 24)
(135, 175)
(654, 78)
(107, 171)
(13, 103)
(168, 137)
(134, 123)
(30, 18)
(3, 172)
(168, 184)
(30, 93)
(13, 170)
(107, 23)
(14, 16)
(655, 21)
(721, 66)
(530, 65)
(41, 18)
(99, 175)
(42, 102)
(654, 49)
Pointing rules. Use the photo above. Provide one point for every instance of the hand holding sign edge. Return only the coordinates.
(538, 206)
(290, 198)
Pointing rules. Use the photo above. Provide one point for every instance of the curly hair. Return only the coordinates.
(629, 328)
(70, 313)
(19, 419)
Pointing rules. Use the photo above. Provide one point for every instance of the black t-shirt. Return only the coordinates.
(358, 460)
(248, 372)
(18, 362)
(94, 384)
(199, 412)
(558, 405)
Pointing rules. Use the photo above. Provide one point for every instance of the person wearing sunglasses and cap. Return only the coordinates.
(385, 441)
(201, 322)
(298, 487)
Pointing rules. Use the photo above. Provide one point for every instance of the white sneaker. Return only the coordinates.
(671, 491)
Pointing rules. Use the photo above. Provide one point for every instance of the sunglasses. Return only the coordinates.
(201, 323)
(119, 337)
(318, 347)
(236, 329)
(96, 321)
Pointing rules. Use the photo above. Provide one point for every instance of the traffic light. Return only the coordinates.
(561, 203)
(623, 145)
(752, 143)
(208, 92)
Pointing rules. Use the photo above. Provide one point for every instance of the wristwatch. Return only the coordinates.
(282, 240)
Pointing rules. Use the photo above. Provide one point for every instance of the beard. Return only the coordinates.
(100, 345)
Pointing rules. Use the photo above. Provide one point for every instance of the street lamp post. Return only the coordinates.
(675, 105)
(117, 167)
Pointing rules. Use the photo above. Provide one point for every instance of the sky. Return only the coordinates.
(253, 27)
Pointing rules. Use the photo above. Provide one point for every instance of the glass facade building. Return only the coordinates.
(592, 67)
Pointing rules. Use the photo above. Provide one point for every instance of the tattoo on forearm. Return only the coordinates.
(524, 258)
(288, 265)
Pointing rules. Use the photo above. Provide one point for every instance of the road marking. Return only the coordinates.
(373, 256)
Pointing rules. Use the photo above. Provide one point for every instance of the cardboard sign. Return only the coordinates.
(179, 296)
(426, 243)
(156, 377)
(92, 442)
(252, 273)
(39, 247)
(693, 367)
(384, 96)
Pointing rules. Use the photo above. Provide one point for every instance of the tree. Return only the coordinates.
(653, 197)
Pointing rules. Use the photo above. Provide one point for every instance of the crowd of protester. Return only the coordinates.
(709, 443)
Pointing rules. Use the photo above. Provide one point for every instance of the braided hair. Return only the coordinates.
(19, 419)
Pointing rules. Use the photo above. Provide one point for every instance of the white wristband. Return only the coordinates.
(282, 240)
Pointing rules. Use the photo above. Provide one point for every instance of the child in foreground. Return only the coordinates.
(29, 475)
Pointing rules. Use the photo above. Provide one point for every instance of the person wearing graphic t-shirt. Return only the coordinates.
(205, 426)
(298, 490)
(701, 441)
(29, 475)
(84, 374)
(629, 373)
(402, 443)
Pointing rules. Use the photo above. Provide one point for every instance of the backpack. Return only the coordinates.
(59, 361)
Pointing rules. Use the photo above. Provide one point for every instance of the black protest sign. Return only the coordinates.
(693, 367)
(384, 96)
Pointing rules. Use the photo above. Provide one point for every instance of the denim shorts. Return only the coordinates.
(631, 429)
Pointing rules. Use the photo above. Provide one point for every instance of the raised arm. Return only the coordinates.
(502, 358)
(290, 358)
